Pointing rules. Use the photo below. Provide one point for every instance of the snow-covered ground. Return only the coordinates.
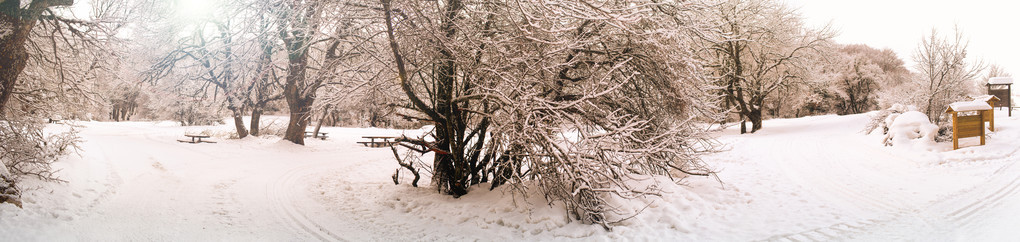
(815, 178)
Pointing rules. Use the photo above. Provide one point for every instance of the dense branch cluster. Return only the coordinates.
(576, 98)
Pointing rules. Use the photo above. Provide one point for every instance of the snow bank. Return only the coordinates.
(969, 106)
(911, 129)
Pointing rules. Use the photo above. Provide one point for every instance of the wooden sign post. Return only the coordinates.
(990, 115)
(1001, 87)
(968, 120)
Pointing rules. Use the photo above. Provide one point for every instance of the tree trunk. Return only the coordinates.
(13, 55)
(743, 124)
(318, 125)
(299, 102)
(239, 123)
(755, 117)
(298, 121)
(13, 58)
(450, 175)
(256, 115)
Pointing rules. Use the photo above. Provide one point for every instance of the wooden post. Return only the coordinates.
(991, 120)
(1009, 99)
(956, 141)
(983, 126)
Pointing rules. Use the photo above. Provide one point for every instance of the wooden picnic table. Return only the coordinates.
(386, 141)
(196, 138)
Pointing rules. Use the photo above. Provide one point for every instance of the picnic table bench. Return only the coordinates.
(322, 135)
(385, 141)
(195, 139)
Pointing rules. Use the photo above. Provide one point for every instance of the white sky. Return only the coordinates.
(992, 26)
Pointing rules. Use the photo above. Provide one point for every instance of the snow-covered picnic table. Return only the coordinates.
(195, 139)
(385, 141)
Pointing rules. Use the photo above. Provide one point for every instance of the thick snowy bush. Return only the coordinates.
(883, 118)
(910, 128)
(25, 151)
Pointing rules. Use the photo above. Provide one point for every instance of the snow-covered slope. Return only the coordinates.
(815, 178)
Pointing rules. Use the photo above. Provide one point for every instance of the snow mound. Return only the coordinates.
(969, 106)
(911, 129)
(1000, 80)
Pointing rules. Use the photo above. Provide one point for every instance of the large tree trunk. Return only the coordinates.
(256, 116)
(299, 101)
(299, 106)
(756, 118)
(13, 58)
(239, 122)
(448, 176)
(299, 109)
(450, 168)
(743, 124)
(13, 55)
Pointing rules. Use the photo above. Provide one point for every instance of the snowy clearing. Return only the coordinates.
(815, 178)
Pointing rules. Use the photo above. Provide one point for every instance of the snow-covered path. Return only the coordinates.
(814, 178)
(159, 189)
(865, 191)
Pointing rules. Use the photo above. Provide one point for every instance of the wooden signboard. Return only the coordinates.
(989, 116)
(1001, 87)
(968, 120)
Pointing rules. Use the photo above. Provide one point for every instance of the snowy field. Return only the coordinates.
(815, 178)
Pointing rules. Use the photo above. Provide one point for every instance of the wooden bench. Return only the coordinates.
(322, 135)
(195, 139)
(385, 141)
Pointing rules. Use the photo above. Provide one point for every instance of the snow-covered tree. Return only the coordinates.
(49, 60)
(217, 52)
(944, 72)
(763, 47)
(325, 41)
(576, 98)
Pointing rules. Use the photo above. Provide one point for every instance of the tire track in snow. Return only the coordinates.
(280, 193)
(967, 213)
(964, 210)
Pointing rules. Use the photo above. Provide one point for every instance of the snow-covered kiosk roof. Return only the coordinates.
(1000, 80)
(986, 98)
(968, 106)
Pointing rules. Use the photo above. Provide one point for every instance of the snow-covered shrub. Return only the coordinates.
(945, 132)
(25, 151)
(638, 106)
(910, 128)
(883, 118)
